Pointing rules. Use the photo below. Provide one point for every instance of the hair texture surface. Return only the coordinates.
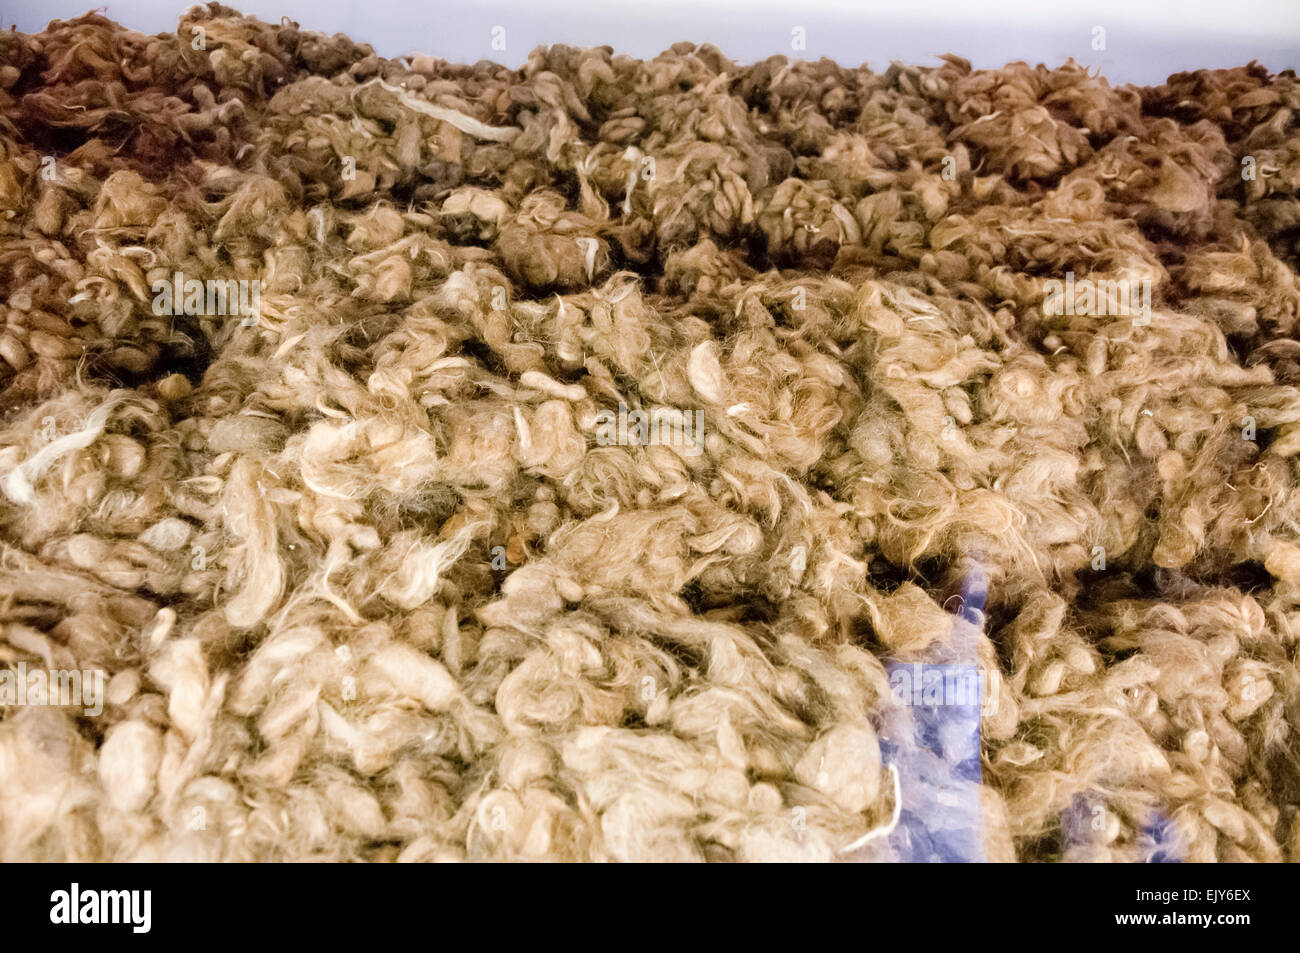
(609, 432)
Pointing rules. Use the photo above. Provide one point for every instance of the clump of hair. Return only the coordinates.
(609, 432)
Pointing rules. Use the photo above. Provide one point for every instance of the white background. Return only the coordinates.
(1145, 40)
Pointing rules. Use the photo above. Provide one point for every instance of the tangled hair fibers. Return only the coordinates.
(413, 561)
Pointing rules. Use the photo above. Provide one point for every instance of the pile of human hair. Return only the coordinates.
(393, 567)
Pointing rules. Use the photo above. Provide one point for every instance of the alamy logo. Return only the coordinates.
(924, 685)
(53, 687)
(663, 426)
(134, 907)
(1104, 297)
(234, 297)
